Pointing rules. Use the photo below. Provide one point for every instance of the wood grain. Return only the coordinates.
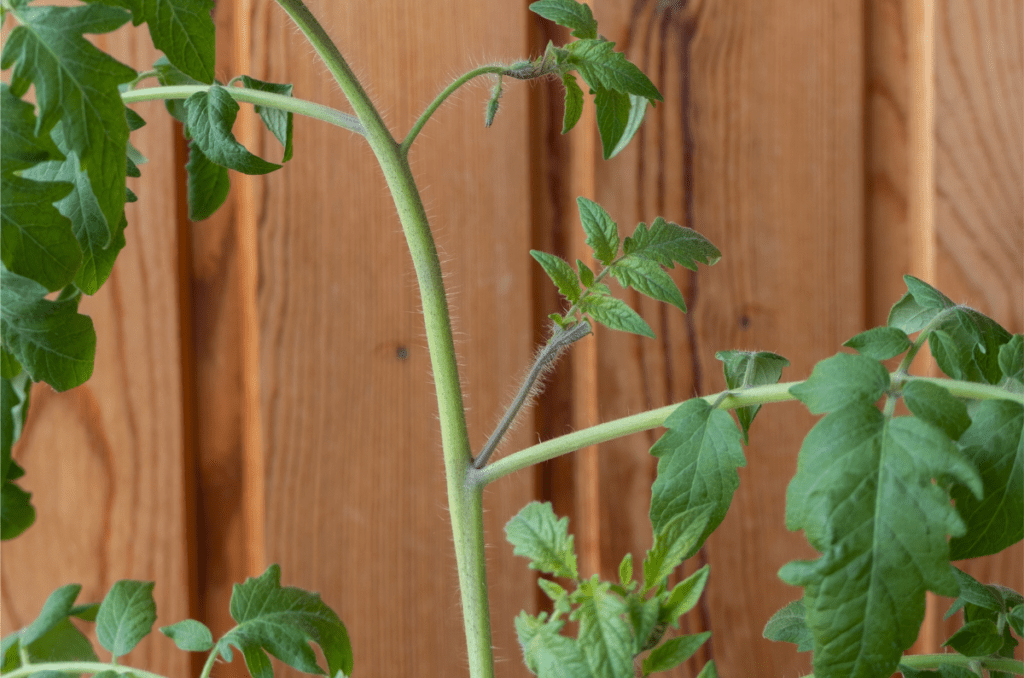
(106, 462)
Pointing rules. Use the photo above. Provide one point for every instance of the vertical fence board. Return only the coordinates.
(105, 462)
(354, 477)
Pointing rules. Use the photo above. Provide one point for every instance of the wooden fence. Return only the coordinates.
(262, 391)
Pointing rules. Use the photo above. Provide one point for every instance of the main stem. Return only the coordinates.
(465, 503)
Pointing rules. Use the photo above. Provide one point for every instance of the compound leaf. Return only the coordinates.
(649, 278)
(697, 461)
(277, 121)
(76, 84)
(841, 380)
(605, 69)
(51, 340)
(788, 625)
(674, 542)
(616, 314)
(744, 369)
(605, 635)
(880, 343)
(568, 13)
(126, 616)
(864, 495)
(183, 30)
(211, 115)
(560, 273)
(537, 534)
(994, 443)
(282, 621)
(602, 232)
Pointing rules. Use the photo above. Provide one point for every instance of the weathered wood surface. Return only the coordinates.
(214, 438)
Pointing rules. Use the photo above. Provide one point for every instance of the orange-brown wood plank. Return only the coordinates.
(355, 504)
(105, 462)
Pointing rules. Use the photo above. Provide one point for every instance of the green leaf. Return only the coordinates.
(547, 653)
(626, 570)
(56, 608)
(616, 314)
(208, 184)
(62, 643)
(537, 534)
(744, 369)
(683, 596)
(674, 542)
(282, 621)
(647, 277)
(560, 273)
(1011, 358)
(643, 617)
(842, 380)
(605, 69)
(556, 593)
(966, 345)
(277, 121)
(709, 671)
(573, 102)
(51, 340)
(602, 233)
(674, 652)
(14, 395)
(666, 242)
(995, 445)
(568, 13)
(189, 635)
(211, 115)
(925, 295)
(864, 495)
(22, 147)
(586, 275)
(934, 404)
(974, 593)
(126, 616)
(635, 118)
(1016, 619)
(788, 625)
(183, 30)
(909, 316)
(976, 639)
(880, 343)
(697, 461)
(618, 119)
(76, 84)
(169, 75)
(16, 511)
(604, 635)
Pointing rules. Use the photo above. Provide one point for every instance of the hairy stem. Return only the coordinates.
(465, 502)
(756, 395)
(546, 358)
(78, 667)
(440, 99)
(252, 96)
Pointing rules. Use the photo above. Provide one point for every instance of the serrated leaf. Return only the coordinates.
(841, 380)
(556, 593)
(208, 184)
(211, 114)
(56, 608)
(560, 273)
(880, 343)
(994, 444)
(537, 534)
(22, 148)
(573, 102)
(865, 498)
(76, 84)
(975, 593)
(282, 621)
(683, 596)
(189, 635)
(648, 278)
(51, 340)
(615, 314)
(1011, 358)
(183, 30)
(126, 616)
(586, 275)
(547, 653)
(674, 652)
(674, 542)
(604, 636)
(697, 461)
(605, 69)
(966, 345)
(643, 617)
(976, 639)
(665, 242)
(277, 121)
(934, 404)
(789, 626)
(568, 13)
(744, 369)
(602, 233)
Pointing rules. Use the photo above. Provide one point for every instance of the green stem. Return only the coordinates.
(440, 99)
(78, 667)
(934, 661)
(210, 661)
(756, 395)
(252, 96)
(465, 503)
